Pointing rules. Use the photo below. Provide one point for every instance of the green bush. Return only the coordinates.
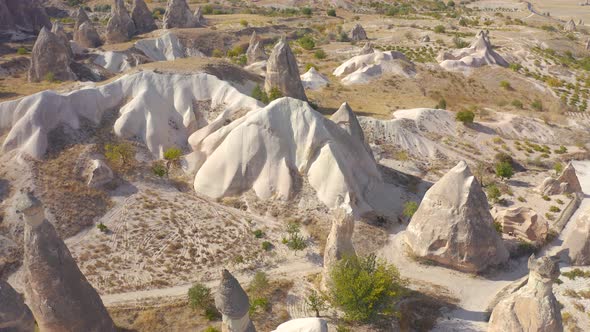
(274, 93)
(266, 246)
(439, 29)
(259, 284)
(554, 209)
(410, 208)
(236, 51)
(306, 11)
(294, 239)
(331, 12)
(158, 12)
(306, 42)
(207, 9)
(320, 54)
(159, 169)
(517, 103)
(244, 23)
(21, 51)
(562, 149)
(211, 329)
(465, 116)
(105, 8)
(119, 154)
(558, 167)
(217, 53)
(172, 154)
(537, 105)
(442, 104)
(493, 193)
(559, 201)
(504, 170)
(259, 305)
(546, 198)
(364, 287)
(316, 302)
(459, 43)
(309, 66)
(503, 157)
(200, 297)
(505, 85)
(258, 233)
(498, 227)
(102, 227)
(259, 94)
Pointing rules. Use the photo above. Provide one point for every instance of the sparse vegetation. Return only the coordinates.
(316, 302)
(331, 12)
(504, 170)
(410, 208)
(119, 154)
(294, 239)
(465, 116)
(102, 227)
(200, 298)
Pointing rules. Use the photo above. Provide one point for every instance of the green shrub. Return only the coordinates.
(558, 167)
(259, 94)
(21, 51)
(562, 149)
(503, 157)
(172, 154)
(331, 12)
(546, 198)
(244, 23)
(207, 9)
(259, 305)
(554, 209)
(119, 154)
(236, 51)
(200, 297)
(498, 227)
(159, 169)
(459, 43)
(105, 8)
(504, 170)
(493, 193)
(320, 54)
(537, 105)
(559, 201)
(505, 85)
(102, 227)
(294, 240)
(306, 42)
(217, 53)
(439, 29)
(465, 116)
(259, 284)
(306, 11)
(266, 246)
(316, 302)
(410, 208)
(521, 199)
(364, 287)
(442, 104)
(274, 93)
(517, 103)
(50, 77)
(309, 66)
(211, 329)
(258, 233)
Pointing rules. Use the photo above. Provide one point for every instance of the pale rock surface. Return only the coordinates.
(479, 53)
(570, 26)
(314, 80)
(425, 39)
(258, 68)
(85, 34)
(366, 49)
(142, 17)
(233, 303)
(15, 316)
(358, 33)
(50, 55)
(524, 223)
(120, 27)
(338, 244)
(60, 297)
(453, 225)
(347, 120)
(282, 72)
(367, 67)
(533, 307)
(22, 17)
(178, 15)
(566, 183)
(9, 253)
(255, 52)
(58, 30)
(308, 324)
(99, 173)
(577, 243)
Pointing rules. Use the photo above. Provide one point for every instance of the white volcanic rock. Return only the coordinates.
(267, 150)
(258, 68)
(524, 223)
(50, 57)
(178, 15)
(567, 182)
(233, 303)
(142, 17)
(453, 225)
(479, 53)
(366, 49)
(577, 242)
(85, 34)
(308, 324)
(15, 316)
(367, 67)
(313, 80)
(570, 26)
(60, 297)
(358, 33)
(282, 72)
(149, 110)
(99, 173)
(338, 244)
(255, 52)
(532, 307)
(120, 27)
(347, 120)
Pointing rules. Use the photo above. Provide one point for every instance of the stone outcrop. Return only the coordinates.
(255, 52)
(588, 45)
(338, 244)
(453, 225)
(577, 242)
(178, 15)
(99, 173)
(532, 307)
(479, 53)
(425, 39)
(570, 26)
(50, 57)
(358, 33)
(142, 17)
(566, 183)
(524, 223)
(60, 297)
(15, 316)
(233, 303)
(58, 30)
(85, 34)
(308, 324)
(347, 120)
(367, 49)
(120, 27)
(22, 16)
(282, 72)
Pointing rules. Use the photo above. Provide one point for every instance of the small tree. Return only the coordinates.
(331, 12)
(259, 284)
(316, 302)
(119, 154)
(199, 297)
(504, 170)
(172, 156)
(442, 104)
(410, 208)
(465, 116)
(493, 193)
(306, 42)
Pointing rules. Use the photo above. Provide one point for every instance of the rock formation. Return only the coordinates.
(22, 16)
(198, 15)
(178, 15)
(567, 182)
(358, 33)
(314, 80)
(533, 307)
(425, 39)
(570, 26)
(99, 173)
(338, 244)
(367, 49)
(364, 68)
(588, 45)
(15, 316)
(142, 17)
(255, 52)
(479, 53)
(58, 294)
(233, 303)
(308, 324)
(524, 223)
(453, 225)
(58, 30)
(577, 242)
(282, 72)
(120, 27)
(50, 57)
(85, 34)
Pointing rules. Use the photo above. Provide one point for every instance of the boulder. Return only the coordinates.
(338, 244)
(532, 307)
(570, 26)
(58, 30)
(308, 324)
(22, 16)
(15, 316)
(314, 80)
(255, 52)
(60, 297)
(425, 39)
(367, 49)
(178, 15)
(577, 242)
(120, 27)
(453, 225)
(85, 34)
(50, 57)
(142, 17)
(233, 303)
(479, 53)
(358, 33)
(565, 183)
(99, 173)
(524, 223)
(282, 72)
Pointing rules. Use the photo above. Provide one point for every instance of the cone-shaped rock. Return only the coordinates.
(367, 49)
(120, 27)
(60, 297)
(198, 16)
(255, 52)
(26, 16)
(50, 57)
(178, 15)
(15, 316)
(345, 118)
(479, 53)
(358, 33)
(533, 307)
(453, 225)
(81, 17)
(142, 17)
(233, 303)
(577, 242)
(58, 30)
(282, 72)
(570, 26)
(85, 34)
(566, 183)
(338, 244)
